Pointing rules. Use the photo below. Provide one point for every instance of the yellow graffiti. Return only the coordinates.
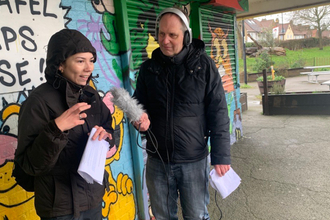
(117, 123)
(119, 202)
(152, 45)
(11, 109)
(15, 202)
(219, 53)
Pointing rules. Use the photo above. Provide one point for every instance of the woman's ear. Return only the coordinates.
(60, 68)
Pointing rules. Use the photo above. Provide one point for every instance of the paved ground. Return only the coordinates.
(283, 161)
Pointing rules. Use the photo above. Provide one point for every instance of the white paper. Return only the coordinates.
(92, 163)
(226, 184)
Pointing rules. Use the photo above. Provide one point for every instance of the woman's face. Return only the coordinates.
(78, 67)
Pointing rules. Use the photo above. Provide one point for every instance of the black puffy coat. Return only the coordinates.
(186, 104)
(47, 153)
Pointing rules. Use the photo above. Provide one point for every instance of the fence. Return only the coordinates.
(317, 61)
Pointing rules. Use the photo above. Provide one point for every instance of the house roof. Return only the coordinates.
(325, 33)
(283, 28)
(300, 29)
(252, 25)
(267, 24)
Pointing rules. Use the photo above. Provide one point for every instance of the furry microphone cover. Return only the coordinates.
(126, 103)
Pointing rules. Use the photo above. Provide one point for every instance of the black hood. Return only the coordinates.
(62, 45)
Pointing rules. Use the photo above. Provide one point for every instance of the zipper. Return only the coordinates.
(172, 115)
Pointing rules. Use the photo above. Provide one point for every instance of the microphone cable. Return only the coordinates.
(155, 144)
(216, 203)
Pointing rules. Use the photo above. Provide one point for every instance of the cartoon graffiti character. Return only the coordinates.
(118, 202)
(15, 202)
(220, 55)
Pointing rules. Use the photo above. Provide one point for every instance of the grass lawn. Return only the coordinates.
(293, 59)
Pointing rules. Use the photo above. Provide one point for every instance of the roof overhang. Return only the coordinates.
(266, 7)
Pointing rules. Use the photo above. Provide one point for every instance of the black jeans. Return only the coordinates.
(91, 214)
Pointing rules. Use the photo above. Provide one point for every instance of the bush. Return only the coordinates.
(277, 89)
(263, 61)
(250, 44)
(303, 43)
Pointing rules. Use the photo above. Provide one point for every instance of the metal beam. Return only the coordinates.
(267, 7)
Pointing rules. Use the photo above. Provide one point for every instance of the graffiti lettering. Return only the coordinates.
(8, 5)
(21, 72)
(10, 79)
(10, 36)
(2, 79)
(32, 4)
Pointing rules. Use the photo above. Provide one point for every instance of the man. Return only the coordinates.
(182, 92)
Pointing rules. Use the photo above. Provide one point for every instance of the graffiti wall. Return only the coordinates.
(219, 38)
(25, 28)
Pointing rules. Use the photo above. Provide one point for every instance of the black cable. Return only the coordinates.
(152, 136)
(155, 144)
(215, 198)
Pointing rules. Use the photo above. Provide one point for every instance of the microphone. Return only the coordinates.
(126, 103)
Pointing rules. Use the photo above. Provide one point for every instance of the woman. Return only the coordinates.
(54, 124)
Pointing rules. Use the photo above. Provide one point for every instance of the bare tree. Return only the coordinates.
(317, 17)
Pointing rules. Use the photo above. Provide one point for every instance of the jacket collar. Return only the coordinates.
(177, 59)
(73, 93)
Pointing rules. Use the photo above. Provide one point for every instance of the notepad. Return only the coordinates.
(92, 163)
(226, 184)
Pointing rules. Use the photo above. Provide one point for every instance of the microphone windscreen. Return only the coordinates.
(126, 103)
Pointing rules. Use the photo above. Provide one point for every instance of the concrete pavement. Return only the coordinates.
(283, 161)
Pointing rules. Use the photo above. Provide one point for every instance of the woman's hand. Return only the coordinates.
(143, 124)
(101, 134)
(72, 117)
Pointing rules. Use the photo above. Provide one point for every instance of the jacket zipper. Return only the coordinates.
(171, 116)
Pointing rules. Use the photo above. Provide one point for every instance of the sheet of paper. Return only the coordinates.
(92, 163)
(226, 184)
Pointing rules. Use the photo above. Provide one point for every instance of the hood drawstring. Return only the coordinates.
(93, 78)
(57, 80)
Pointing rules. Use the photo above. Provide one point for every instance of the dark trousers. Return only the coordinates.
(91, 214)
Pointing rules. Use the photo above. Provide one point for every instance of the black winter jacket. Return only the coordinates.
(186, 104)
(53, 156)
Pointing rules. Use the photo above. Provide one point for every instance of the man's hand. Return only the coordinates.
(142, 124)
(221, 169)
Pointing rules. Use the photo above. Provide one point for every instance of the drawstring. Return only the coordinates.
(93, 78)
(59, 82)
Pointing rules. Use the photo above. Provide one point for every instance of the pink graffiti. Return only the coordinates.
(8, 145)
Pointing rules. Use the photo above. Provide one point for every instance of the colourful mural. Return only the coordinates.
(15, 203)
(222, 50)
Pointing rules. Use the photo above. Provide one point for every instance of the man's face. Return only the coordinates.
(170, 35)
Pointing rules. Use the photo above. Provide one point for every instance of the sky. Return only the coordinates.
(286, 17)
